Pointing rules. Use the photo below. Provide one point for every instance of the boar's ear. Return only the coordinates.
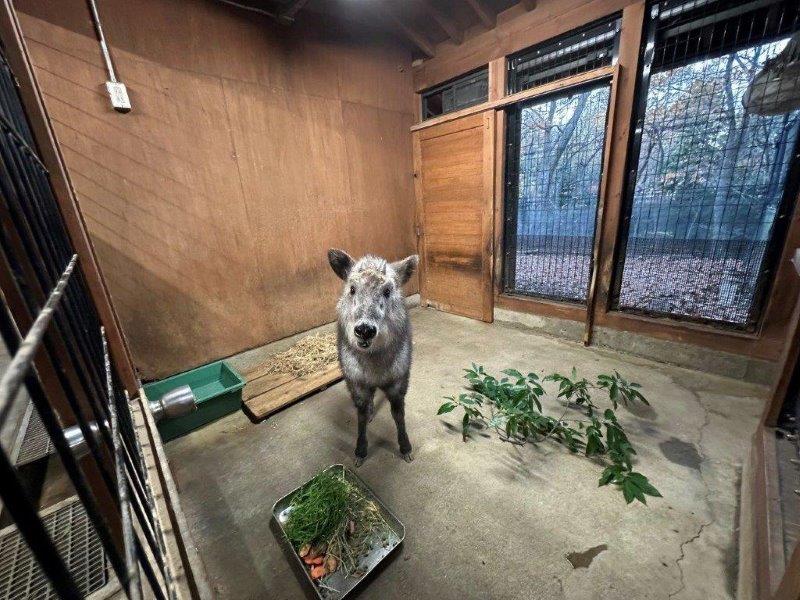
(341, 262)
(405, 268)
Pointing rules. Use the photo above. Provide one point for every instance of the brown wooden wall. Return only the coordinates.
(251, 149)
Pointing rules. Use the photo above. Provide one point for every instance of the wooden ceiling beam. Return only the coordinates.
(290, 12)
(447, 24)
(485, 14)
(415, 37)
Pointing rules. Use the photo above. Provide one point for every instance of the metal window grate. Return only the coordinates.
(35, 443)
(468, 90)
(77, 543)
(713, 184)
(554, 170)
(590, 47)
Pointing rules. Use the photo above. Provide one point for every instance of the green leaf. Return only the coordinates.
(608, 475)
(446, 408)
(628, 491)
(513, 373)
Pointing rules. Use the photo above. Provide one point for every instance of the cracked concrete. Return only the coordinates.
(486, 519)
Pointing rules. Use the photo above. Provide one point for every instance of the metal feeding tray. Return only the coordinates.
(336, 585)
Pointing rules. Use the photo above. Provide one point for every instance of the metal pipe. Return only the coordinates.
(175, 403)
(77, 441)
(20, 364)
(112, 75)
(133, 585)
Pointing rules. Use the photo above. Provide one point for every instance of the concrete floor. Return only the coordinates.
(486, 519)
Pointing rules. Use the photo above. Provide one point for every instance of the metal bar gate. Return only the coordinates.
(52, 330)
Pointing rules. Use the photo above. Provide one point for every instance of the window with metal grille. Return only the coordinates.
(467, 90)
(592, 46)
(710, 185)
(553, 170)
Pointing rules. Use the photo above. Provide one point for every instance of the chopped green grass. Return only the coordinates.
(318, 510)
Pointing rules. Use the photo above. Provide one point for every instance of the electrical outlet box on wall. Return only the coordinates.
(119, 96)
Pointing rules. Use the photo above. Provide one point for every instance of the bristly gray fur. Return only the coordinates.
(372, 296)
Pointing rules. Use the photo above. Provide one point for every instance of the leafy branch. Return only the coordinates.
(512, 407)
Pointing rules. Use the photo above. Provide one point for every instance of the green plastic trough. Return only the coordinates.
(217, 388)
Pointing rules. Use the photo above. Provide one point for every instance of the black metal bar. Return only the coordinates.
(511, 208)
(34, 243)
(20, 364)
(50, 421)
(33, 531)
(134, 586)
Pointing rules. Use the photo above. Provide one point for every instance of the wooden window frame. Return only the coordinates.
(765, 343)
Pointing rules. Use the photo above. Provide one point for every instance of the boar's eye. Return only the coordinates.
(352, 290)
(386, 292)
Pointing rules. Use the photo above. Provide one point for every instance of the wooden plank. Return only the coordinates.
(591, 297)
(788, 363)
(485, 14)
(616, 164)
(540, 306)
(454, 169)
(419, 218)
(498, 73)
(448, 25)
(260, 385)
(487, 212)
(263, 405)
(547, 88)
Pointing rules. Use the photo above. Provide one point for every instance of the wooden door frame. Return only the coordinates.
(541, 306)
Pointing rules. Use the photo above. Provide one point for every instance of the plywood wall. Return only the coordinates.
(251, 149)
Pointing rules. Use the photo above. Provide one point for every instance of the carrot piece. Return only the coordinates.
(317, 560)
(318, 572)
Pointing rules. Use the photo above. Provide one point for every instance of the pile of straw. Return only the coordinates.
(312, 353)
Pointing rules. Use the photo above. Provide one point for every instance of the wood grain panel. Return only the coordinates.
(455, 191)
(250, 150)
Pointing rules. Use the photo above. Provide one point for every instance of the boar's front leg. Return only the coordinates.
(362, 398)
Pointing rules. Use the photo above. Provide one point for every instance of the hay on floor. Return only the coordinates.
(312, 353)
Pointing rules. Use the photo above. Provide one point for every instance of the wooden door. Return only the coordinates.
(454, 171)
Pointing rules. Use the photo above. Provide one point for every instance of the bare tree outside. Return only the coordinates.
(561, 150)
(710, 181)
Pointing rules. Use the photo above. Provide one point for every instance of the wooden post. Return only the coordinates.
(497, 78)
(628, 63)
(591, 297)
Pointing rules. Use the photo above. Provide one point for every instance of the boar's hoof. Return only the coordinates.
(360, 460)
(407, 457)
